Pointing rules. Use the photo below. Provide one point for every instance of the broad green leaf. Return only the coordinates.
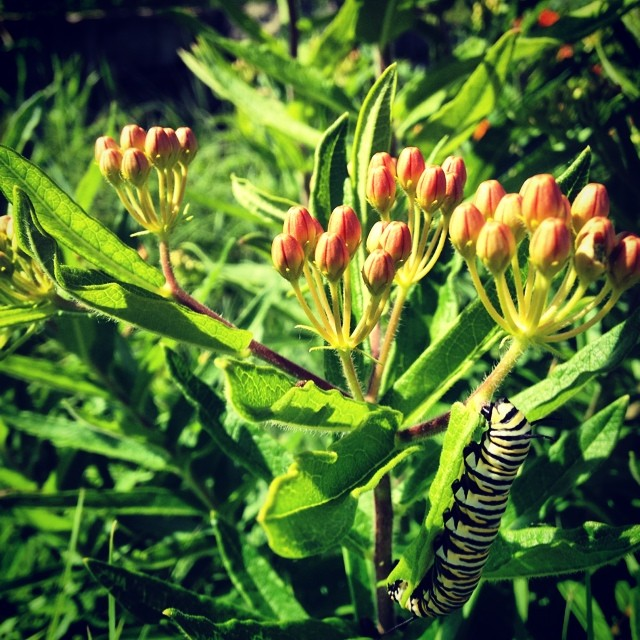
(418, 556)
(153, 313)
(575, 593)
(570, 461)
(60, 217)
(311, 508)
(329, 171)
(148, 501)
(210, 410)
(268, 210)
(576, 175)
(250, 572)
(566, 380)
(15, 316)
(80, 436)
(544, 551)
(148, 597)
(208, 64)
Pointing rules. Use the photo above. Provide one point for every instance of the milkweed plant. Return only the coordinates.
(531, 275)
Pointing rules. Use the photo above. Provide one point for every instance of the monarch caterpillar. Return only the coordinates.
(471, 524)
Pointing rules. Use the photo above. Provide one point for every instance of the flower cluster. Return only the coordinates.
(305, 251)
(128, 167)
(571, 246)
(22, 281)
(432, 192)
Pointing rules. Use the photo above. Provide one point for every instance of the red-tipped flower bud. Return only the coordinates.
(188, 145)
(132, 136)
(464, 228)
(344, 222)
(453, 192)
(495, 246)
(550, 246)
(509, 211)
(409, 168)
(432, 188)
(487, 196)
(602, 230)
(135, 166)
(383, 159)
(373, 239)
(381, 189)
(378, 271)
(590, 259)
(455, 164)
(331, 256)
(299, 223)
(591, 202)
(288, 256)
(102, 144)
(624, 262)
(162, 147)
(110, 163)
(396, 241)
(541, 199)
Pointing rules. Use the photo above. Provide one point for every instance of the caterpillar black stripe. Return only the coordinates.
(471, 524)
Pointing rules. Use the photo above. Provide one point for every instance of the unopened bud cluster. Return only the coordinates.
(432, 192)
(571, 246)
(128, 166)
(22, 281)
(305, 252)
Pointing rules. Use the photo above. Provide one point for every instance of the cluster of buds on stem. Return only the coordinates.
(577, 266)
(305, 252)
(22, 281)
(432, 192)
(128, 167)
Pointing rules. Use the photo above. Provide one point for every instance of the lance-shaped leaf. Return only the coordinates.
(576, 175)
(16, 316)
(267, 209)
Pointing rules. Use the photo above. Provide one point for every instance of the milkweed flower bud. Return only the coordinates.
(432, 188)
(110, 163)
(541, 199)
(383, 159)
(409, 168)
(509, 211)
(464, 228)
(188, 145)
(495, 246)
(487, 196)
(381, 189)
(453, 192)
(378, 271)
(591, 202)
(162, 147)
(132, 136)
(591, 256)
(299, 223)
(344, 222)
(455, 164)
(550, 246)
(602, 230)
(624, 262)
(102, 144)
(288, 256)
(373, 239)
(135, 166)
(396, 241)
(331, 256)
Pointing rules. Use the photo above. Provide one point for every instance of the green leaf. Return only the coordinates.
(16, 316)
(336, 40)
(329, 171)
(72, 434)
(593, 360)
(267, 209)
(543, 551)
(576, 176)
(60, 217)
(575, 593)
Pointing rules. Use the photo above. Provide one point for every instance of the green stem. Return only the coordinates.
(350, 373)
(491, 310)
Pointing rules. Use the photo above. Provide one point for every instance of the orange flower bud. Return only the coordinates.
(188, 145)
(453, 192)
(487, 196)
(602, 230)
(344, 222)
(495, 246)
(373, 239)
(299, 223)
(132, 136)
(102, 144)
(464, 228)
(541, 199)
(409, 168)
(288, 256)
(332, 256)
(455, 164)
(550, 246)
(162, 147)
(591, 202)
(378, 271)
(432, 188)
(590, 259)
(396, 241)
(509, 211)
(624, 261)
(135, 166)
(383, 159)
(381, 189)
(110, 163)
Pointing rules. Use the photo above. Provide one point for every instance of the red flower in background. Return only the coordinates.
(548, 17)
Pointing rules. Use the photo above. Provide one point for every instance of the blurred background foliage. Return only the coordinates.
(258, 82)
